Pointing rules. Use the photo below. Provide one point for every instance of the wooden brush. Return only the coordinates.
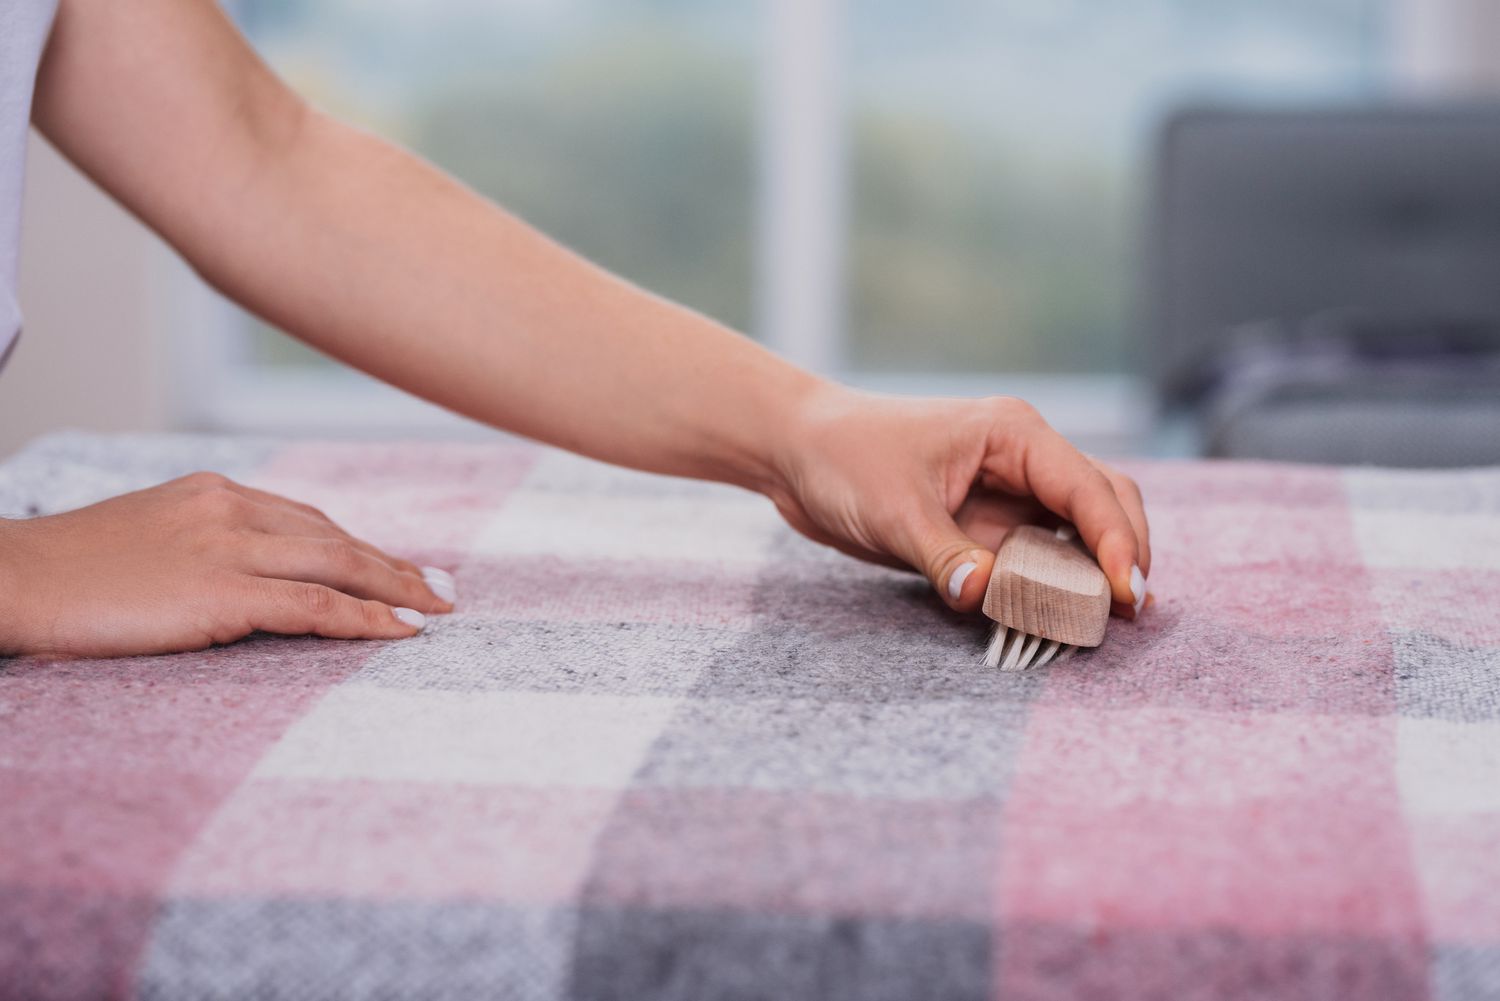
(1047, 596)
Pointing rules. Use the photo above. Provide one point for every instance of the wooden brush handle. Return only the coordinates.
(1049, 587)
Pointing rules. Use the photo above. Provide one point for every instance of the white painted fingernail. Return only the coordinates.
(429, 573)
(1065, 533)
(442, 587)
(956, 582)
(1137, 588)
(411, 617)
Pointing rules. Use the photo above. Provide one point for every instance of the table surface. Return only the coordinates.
(668, 749)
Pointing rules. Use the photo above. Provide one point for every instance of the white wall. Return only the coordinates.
(91, 356)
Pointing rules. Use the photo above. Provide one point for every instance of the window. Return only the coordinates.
(997, 156)
(884, 188)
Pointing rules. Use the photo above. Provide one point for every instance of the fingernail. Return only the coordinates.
(442, 586)
(1065, 533)
(411, 617)
(956, 582)
(1137, 588)
(430, 573)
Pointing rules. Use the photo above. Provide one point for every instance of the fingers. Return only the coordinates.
(1130, 499)
(1044, 464)
(338, 564)
(287, 540)
(289, 517)
(274, 513)
(934, 545)
(298, 608)
(958, 567)
(1135, 509)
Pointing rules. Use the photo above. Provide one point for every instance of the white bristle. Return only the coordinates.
(1005, 647)
(997, 643)
(1048, 652)
(1013, 650)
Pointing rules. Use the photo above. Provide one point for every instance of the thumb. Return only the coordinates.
(958, 567)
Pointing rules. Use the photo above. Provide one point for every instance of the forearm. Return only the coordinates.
(387, 264)
(380, 260)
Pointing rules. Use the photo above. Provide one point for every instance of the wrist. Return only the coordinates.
(801, 416)
(740, 417)
(778, 432)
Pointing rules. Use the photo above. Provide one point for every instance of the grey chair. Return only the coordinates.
(1324, 285)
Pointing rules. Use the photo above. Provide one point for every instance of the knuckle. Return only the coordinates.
(1070, 503)
(376, 615)
(946, 559)
(342, 556)
(317, 600)
(1122, 483)
(220, 503)
(1092, 495)
(1015, 410)
(229, 618)
(206, 480)
(223, 601)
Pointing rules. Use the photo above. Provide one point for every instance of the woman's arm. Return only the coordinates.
(378, 259)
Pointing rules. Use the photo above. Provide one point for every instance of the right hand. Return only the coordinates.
(194, 562)
(937, 484)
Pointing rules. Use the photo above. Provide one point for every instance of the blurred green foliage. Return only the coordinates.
(968, 255)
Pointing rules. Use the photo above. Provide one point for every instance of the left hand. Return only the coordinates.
(936, 484)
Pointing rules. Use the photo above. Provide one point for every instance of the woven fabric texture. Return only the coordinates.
(668, 749)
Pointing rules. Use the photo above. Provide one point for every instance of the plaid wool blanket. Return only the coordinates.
(668, 749)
